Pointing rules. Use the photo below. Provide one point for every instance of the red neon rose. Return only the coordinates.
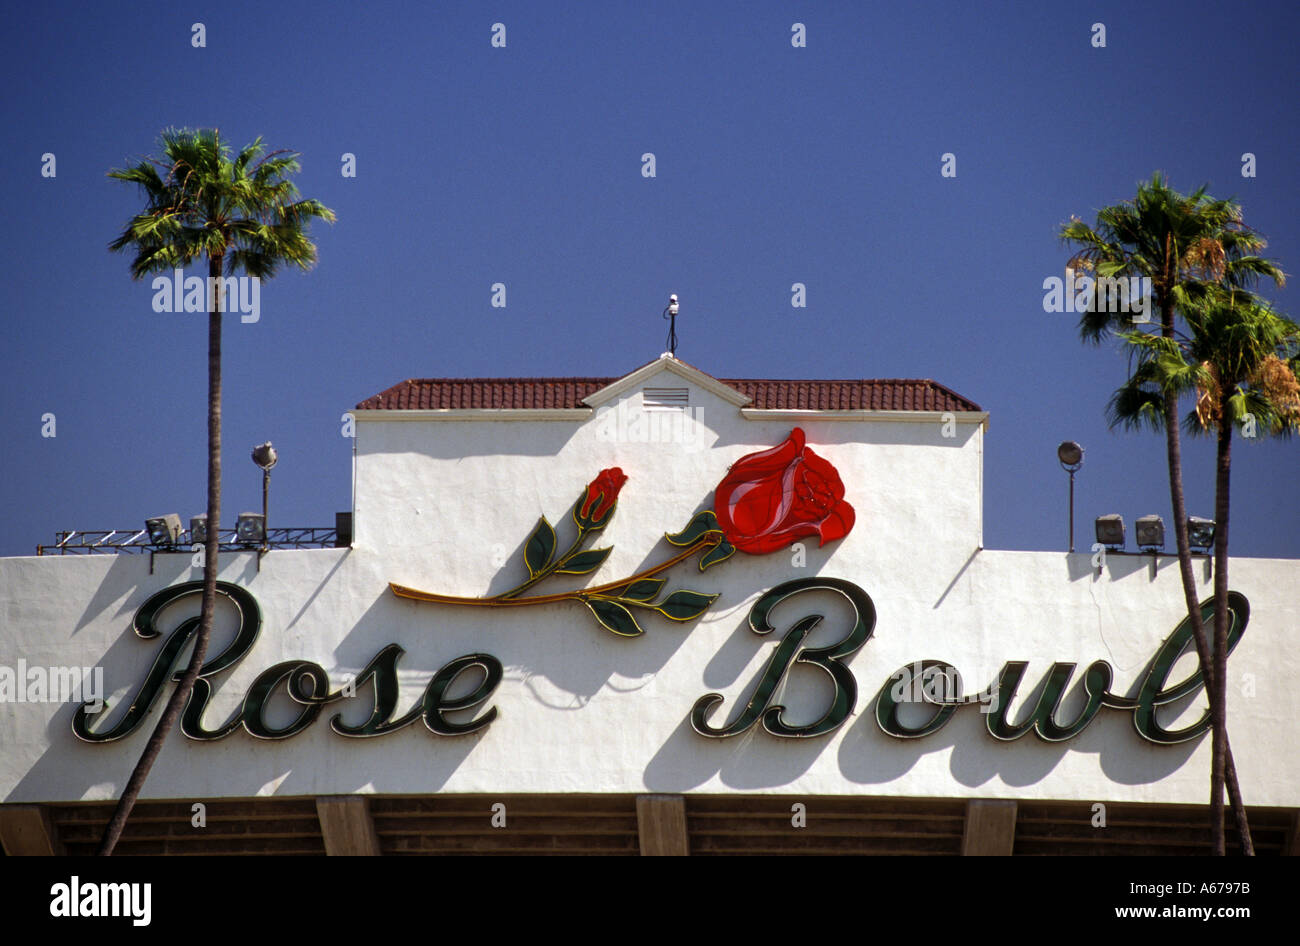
(602, 494)
(769, 499)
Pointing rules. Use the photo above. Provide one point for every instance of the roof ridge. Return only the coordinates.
(533, 379)
(838, 380)
(529, 378)
(816, 394)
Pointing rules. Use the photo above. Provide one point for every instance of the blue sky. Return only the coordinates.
(522, 165)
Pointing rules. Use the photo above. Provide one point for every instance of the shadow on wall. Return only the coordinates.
(542, 644)
(556, 653)
(867, 756)
(454, 440)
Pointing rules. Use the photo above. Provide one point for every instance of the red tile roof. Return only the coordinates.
(477, 393)
(880, 394)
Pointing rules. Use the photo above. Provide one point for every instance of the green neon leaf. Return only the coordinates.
(585, 562)
(643, 590)
(685, 605)
(703, 523)
(719, 553)
(540, 548)
(614, 617)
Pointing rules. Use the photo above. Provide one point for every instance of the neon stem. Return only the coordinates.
(550, 569)
(706, 541)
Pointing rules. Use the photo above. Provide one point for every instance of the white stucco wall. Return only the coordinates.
(445, 505)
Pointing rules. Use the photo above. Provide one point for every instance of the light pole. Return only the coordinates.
(1071, 456)
(265, 456)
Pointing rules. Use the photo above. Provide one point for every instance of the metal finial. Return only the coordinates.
(670, 313)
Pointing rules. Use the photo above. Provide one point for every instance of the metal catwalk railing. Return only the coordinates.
(132, 541)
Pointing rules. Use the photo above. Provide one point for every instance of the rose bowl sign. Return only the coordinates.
(767, 501)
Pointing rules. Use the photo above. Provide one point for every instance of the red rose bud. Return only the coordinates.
(770, 499)
(601, 495)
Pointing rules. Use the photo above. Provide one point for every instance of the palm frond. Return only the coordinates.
(1135, 406)
(202, 203)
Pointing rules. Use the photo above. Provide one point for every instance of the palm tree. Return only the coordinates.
(240, 214)
(1179, 243)
(1249, 354)
(1241, 361)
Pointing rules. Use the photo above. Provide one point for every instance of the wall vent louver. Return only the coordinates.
(665, 399)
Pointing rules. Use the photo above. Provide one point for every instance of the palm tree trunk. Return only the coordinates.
(1234, 797)
(183, 689)
(1173, 445)
(1219, 712)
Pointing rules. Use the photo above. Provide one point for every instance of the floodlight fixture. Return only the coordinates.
(264, 455)
(1110, 531)
(250, 529)
(164, 530)
(1200, 533)
(1150, 533)
(1071, 455)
